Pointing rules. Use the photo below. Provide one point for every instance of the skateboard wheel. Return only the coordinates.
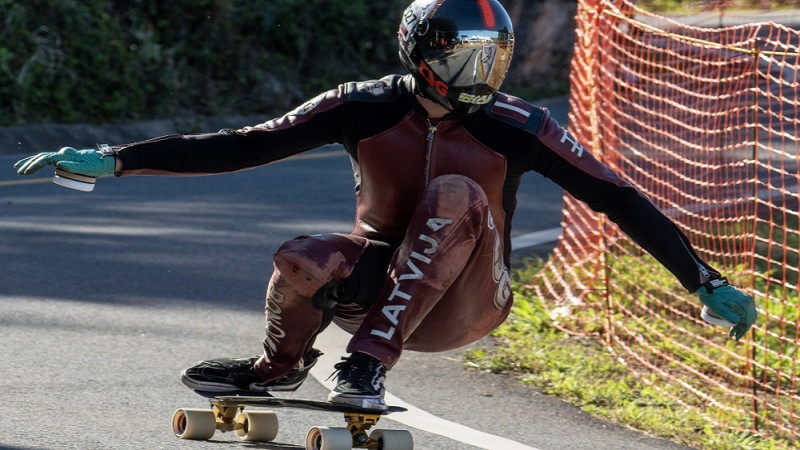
(324, 438)
(194, 424)
(257, 426)
(393, 439)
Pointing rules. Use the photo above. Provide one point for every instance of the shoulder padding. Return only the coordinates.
(517, 113)
(386, 89)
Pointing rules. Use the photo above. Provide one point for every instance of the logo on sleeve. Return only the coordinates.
(308, 106)
(577, 148)
(376, 88)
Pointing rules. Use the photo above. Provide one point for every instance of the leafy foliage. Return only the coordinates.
(111, 60)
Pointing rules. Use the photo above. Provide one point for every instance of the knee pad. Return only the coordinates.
(455, 197)
(363, 284)
(308, 262)
(334, 268)
(459, 186)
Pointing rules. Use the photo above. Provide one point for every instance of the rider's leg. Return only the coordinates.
(295, 315)
(448, 286)
(310, 277)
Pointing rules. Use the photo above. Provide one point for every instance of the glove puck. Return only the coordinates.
(74, 181)
(714, 319)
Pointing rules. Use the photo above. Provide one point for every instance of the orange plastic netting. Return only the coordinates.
(705, 122)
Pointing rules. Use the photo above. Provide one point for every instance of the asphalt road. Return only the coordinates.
(106, 296)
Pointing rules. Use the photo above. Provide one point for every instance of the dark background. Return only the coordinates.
(101, 61)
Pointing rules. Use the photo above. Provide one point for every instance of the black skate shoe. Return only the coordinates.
(360, 382)
(237, 376)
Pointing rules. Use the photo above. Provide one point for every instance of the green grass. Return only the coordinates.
(692, 6)
(582, 370)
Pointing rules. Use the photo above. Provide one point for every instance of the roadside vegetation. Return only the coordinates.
(101, 61)
(578, 368)
(691, 6)
(112, 61)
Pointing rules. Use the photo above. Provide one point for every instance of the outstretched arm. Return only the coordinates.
(585, 178)
(225, 151)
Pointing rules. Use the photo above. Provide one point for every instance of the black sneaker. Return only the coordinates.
(360, 382)
(236, 375)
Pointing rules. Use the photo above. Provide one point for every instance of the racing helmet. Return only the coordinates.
(458, 51)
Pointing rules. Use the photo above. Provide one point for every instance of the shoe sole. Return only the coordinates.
(205, 386)
(361, 401)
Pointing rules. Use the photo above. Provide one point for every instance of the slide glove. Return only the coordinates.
(729, 304)
(90, 163)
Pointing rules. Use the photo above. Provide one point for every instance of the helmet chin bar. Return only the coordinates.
(422, 89)
(454, 111)
(457, 108)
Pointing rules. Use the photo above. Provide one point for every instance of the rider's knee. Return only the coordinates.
(326, 268)
(454, 181)
(458, 195)
(314, 260)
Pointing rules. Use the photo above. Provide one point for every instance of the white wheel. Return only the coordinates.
(393, 439)
(261, 426)
(324, 438)
(194, 423)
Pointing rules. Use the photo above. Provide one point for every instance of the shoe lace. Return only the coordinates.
(344, 364)
(244, 363)
(310, 358)
(230, 365)
(360, 372)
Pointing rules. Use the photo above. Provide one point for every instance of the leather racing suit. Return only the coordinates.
(435, 202)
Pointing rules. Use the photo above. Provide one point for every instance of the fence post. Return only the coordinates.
(751, 351)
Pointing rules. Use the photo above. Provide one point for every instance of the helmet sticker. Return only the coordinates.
(415, 22)
(430, 77)
(409, 43)
(473, 99)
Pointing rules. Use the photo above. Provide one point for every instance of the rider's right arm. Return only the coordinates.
(345, 115)
(311, 125)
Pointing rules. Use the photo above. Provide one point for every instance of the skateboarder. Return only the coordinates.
(438, 155)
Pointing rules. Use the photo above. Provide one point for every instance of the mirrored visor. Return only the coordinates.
(469, 58)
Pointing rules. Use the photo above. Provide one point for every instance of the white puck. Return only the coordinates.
(74, 181)
(714, 319)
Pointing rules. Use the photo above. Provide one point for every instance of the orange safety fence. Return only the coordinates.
(705, 122)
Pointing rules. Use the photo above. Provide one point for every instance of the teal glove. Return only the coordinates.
(90, 163)
(730, 304)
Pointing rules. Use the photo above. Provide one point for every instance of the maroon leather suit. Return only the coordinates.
(441, 194)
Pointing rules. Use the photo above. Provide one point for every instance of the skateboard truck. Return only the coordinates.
(357, 424)
(226, 417)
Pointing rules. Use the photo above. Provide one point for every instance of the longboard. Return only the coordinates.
(229, 413)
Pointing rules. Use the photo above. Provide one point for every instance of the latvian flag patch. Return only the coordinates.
(513, 108)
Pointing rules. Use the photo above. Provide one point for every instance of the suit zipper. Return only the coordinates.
(429, 154)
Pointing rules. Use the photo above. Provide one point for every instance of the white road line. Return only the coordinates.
(333, 341)
(26, 181)
(535, 238)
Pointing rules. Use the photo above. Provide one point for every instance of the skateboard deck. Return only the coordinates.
(235, 413)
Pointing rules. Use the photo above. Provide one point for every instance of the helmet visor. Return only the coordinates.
(470, 58)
